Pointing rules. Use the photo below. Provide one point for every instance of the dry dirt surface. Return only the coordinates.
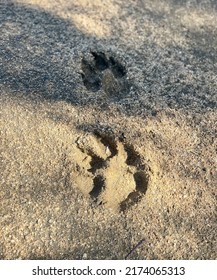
(108, 135)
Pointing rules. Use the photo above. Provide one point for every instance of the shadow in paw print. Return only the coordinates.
(107, 73)
(118, 70)
(133, 158)
(91, 79)
(98, 187)
(101, 62)
(141, 180)
(96, 163)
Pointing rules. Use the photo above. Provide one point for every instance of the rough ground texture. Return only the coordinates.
(108, 136)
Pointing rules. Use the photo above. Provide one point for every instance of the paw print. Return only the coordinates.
(114, 174)
(106, 73)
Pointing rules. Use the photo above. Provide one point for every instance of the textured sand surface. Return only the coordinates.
(108, 113)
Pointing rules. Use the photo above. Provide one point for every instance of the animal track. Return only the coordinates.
(111, 172)
(102, 72)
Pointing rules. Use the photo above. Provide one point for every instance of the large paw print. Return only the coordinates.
(112, 173)
(102, 72)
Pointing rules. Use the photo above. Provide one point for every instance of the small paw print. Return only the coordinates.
(106, 73)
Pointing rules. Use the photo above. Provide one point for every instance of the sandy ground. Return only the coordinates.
(108, 113)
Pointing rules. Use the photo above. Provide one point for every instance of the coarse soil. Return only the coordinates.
(108, 135)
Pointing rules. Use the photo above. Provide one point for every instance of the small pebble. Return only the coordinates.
(84, 256)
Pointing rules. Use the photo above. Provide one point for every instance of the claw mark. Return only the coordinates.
(99, 186)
